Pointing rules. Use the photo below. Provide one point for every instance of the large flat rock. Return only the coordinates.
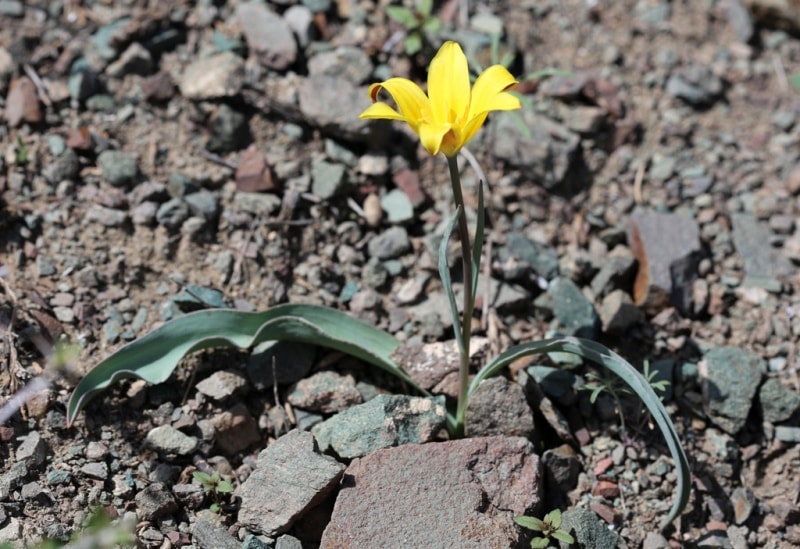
(461, 493)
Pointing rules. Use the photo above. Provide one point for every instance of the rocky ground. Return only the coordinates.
(160, 157)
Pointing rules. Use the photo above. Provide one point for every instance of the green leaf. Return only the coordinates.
(539, 543)
(425, 7)
(154, 356)
(431, 26)
(561, 535)
(402, 15)
(610, 360)
(413, 43)
(225, 487)
(202, 478)
(444, 274)
(794, 80)
(541, 73)
(531, 523)
(553, 518)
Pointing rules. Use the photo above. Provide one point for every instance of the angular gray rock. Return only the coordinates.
(384, 421)
(390, 244)
(167, 439)
(499, 407)
(291, 477)
(223, 384)
(333, 103)
(325, 392)
(269, 37)
(155, 501)
(618, 313)
(764, 266)
(778, 402)
(350, 62)
(461, 493)
(588, 530)
(32, 451)
(667, 247)
(213, 77)
(572, 309)
(730, 377)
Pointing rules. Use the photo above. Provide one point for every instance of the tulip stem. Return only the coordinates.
(469, 299)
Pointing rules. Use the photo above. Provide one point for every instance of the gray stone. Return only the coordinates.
(556, 383)
(389, 244)
(301, 20)
(546, 155)
(32, 450)
(167, 439)
(654, 540)
(97, 470)
(118, 168)
(384, 421)
(327, 178)
(349, 62)
(498, 407)
(616, 273)
(103, 38)
(223, 384)
(430, 365)
(763, 264)
(787, 433)
(66, 166)
(34, 491)
(229, 131)
(730, 378)
(290, 478)
(288, 542)
(291, 361)
(461, 493)
(261, 204)
(58, 476)
(12, 8)
(588, 530)
(172, 213)
(539, 257)
(696, 85)
(778, 402)
(213, 77)
(618, 313)
(11, 532)
(740, 20)
(333, 103)
(743, 501)
(203, 204)
(397, 206)
(209, 535)
(136, 59)
(154, 502)
(667, 247)
(108, 217)
(562, 467)
(268, 35)
(325, 392)
(571, 308)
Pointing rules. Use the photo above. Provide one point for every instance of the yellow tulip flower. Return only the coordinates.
(452, 112)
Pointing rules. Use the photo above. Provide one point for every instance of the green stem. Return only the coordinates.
(469, 299)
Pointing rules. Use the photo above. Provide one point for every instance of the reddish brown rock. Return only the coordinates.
(463, 491)
(236, 430)
(408, 182)
(253, 174)
(22, 103)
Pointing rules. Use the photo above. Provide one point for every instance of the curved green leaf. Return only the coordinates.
(155, 356)
(595, 352)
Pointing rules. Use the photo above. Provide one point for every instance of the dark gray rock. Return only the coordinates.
(203, 204)
(292, 362)
(229, 131)
(556, 383)
(541, 258)
(268, 35)
(66, 166)
(618, 313)
(154, 502)
(32, 450)
(384, 421)
(461, 493)
(498, 407)
(616, 273)
(667, 247)
(764, 266)
(118, 168)
(696, 85)
(172, 213)
(333, 104)
(291, 477)
(572, 309)
(328, 179)
(562, 467)
(97, 470)
(325, 392)
(389, 244)
(546, 155)
(209, 535)
(778, 402)
(588, 530)
(730, 379)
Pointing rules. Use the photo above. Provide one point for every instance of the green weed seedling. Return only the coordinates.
(549, 527)
(214, 485)
(419, 22)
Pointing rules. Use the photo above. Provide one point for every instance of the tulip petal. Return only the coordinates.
(431, 136)
(411, 101)
(490, 92)
(448, 85)
(381, 110)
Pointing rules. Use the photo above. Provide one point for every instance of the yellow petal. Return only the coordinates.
(490, 92)
(472, 127)
(448, 85)
(431, 136)
(381, 110)
(411, 101)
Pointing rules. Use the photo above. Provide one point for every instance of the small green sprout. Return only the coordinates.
(549, 527)
(21, 155)
(215, 485)
(419, 22)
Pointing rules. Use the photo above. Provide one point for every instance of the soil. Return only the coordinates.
(81, 259)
